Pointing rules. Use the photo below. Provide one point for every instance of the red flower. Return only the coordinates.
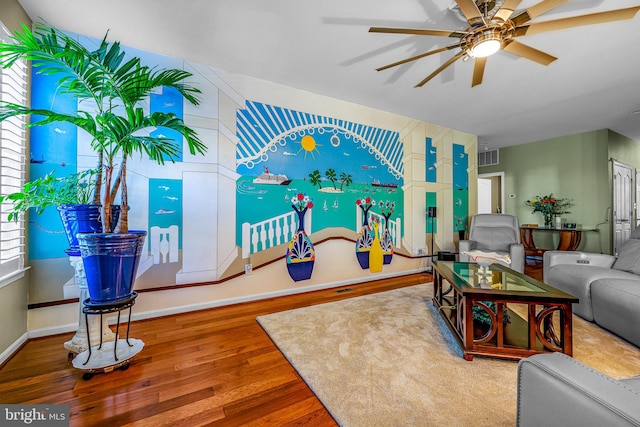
(368, 200)
(358, 202)
(310, 205)
(300, 196)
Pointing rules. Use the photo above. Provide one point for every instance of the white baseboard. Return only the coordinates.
(256, 297)
(13, 348)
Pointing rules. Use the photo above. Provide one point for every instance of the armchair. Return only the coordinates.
(495, 233)
(557, 390)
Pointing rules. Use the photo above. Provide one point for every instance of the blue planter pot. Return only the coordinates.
(83, 219)
(300, 270)
(111, 263)
(363, 259)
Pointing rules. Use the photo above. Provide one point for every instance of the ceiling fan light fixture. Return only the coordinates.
(485, 48)
(485, 43)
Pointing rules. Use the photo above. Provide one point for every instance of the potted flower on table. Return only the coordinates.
(549, 206)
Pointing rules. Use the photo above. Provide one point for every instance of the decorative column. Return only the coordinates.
(78, 343)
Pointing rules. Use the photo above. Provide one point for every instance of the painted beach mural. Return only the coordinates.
(282, 152)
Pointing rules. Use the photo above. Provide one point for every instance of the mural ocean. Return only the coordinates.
(283, 152)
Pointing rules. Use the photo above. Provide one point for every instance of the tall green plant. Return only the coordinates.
(110, 90)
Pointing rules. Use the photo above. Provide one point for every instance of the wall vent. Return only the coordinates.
(488, 158)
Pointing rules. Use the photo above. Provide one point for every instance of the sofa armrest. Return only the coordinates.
(466, 245)
(555, 389)
(552, 258)
(516, 252)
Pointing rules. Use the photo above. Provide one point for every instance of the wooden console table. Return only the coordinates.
(569, 239)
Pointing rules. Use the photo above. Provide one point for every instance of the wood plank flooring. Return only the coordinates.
(210, 367)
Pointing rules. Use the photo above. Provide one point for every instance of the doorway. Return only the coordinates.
(491, 192)
(622, 206)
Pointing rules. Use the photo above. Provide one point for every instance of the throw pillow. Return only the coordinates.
(629, 257)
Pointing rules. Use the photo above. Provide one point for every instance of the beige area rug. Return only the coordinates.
(388, 360)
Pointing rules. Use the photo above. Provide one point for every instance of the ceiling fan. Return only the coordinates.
(491, 31)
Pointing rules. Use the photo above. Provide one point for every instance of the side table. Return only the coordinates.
(103, 358)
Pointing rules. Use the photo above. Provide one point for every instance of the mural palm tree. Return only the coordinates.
(331, 176)
(315, 178)
(345, 179)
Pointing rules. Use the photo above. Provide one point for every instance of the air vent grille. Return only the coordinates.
(488, 158)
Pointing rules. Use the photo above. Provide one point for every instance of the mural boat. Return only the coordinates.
(270, 178)
(377, 183)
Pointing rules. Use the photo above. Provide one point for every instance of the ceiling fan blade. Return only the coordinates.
(441, 68)
(422, 55)
(536, 10)
(478, 70)
(520, 49)
(419, 32)
(470, 10)
(507, 9)
(576, 21)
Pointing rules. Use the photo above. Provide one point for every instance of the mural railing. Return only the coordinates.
(394, 226)
(272, 232)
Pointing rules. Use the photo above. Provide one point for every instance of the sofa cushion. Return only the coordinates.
(633, 383)
(576, 279)
(615, 307)
(629, 257)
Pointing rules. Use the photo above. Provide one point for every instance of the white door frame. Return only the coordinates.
(501, 175)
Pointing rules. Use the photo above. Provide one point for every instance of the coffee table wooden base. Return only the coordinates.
(513, 339)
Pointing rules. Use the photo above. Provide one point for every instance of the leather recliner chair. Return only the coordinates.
(497, 233)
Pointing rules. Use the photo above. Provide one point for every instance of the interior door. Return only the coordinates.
(622, 204)
(491, 192)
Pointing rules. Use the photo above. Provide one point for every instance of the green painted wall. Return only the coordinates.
(574, 167)
(624, 150)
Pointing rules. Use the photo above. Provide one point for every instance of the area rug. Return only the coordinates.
(387, 359)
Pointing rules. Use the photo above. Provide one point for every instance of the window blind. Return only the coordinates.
(13, 88)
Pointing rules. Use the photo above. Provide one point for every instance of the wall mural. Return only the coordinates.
(460, 188)
(283, 152)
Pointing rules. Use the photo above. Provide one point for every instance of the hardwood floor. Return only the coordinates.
(214, 366)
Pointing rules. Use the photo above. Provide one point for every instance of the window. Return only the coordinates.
(13, 88)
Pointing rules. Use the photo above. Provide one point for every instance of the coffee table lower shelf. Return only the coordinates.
(515, 335)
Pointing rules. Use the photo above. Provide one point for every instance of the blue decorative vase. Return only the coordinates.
(301, 254)
(83, 219)
(364, 241)
(111, 262)
(385, 242)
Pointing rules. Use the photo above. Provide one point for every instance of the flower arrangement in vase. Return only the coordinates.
(300, 254)
(365, 236)
(549, 206)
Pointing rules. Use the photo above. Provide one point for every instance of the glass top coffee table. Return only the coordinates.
(502, 313)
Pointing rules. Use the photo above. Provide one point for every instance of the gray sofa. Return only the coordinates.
(608, 287)
(556, 390)
(494, 233)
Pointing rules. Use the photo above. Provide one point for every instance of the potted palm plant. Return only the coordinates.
(110, 90)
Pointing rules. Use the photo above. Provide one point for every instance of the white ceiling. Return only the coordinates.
(324, 46)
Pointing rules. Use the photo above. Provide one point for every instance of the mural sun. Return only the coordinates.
(308, 144)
